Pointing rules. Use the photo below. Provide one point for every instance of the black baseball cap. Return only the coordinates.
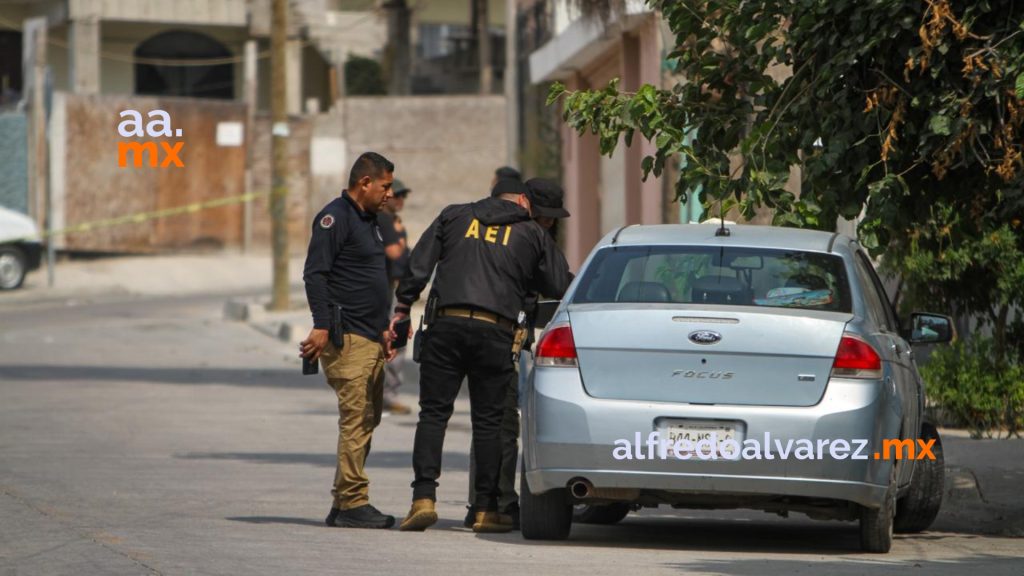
(399, 189)
(508, 172)
(508, 186)
(546, 198)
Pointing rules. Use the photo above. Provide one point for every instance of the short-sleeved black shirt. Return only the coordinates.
(346, 265)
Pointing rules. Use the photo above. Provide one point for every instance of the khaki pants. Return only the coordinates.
(357, 377)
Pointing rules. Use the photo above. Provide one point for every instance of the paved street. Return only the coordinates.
(145, 434)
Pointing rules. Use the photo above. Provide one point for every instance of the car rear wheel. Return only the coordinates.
(917, 509)
(12, 268)
(600, 513)
(876, 524)
(546, 516)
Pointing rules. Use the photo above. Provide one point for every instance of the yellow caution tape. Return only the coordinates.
(141, 217)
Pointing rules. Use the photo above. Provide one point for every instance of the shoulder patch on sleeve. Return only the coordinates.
(327, 221)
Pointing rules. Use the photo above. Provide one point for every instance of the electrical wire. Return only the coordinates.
(4, 23)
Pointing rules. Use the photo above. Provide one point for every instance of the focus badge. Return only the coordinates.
(327, 221)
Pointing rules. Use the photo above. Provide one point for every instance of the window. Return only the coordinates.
(875, 296)
(713, 275)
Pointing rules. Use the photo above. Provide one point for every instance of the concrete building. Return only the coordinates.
(134, 47)
(109, 56)
(604, 193)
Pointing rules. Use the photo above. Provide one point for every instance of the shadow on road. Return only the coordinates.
(377, 459)
(867, 564)
(188, 376)
(277, 520)
(746, 536)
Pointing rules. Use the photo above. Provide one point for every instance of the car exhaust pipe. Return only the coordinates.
(582, 489)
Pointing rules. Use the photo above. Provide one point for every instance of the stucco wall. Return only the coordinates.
(445, 148)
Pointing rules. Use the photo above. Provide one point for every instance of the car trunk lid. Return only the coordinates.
(704, 355)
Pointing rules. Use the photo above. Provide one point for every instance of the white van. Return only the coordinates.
(20, 248)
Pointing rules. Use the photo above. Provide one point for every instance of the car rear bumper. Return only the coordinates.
(570, 435)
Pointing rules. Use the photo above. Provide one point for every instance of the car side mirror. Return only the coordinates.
(928, 328)
(546, 311)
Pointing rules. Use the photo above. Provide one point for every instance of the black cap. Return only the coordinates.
(508, 186)
(545, 198)
(508, 172)
(399, 189)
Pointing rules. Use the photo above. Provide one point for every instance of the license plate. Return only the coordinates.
(698, 434)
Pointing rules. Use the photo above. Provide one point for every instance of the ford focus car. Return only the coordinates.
(730, 367)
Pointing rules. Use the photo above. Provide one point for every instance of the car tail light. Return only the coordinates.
(855, 358)
(556, 348)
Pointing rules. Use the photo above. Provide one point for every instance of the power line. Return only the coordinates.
(183, 61)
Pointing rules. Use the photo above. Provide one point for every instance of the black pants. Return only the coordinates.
(509, 452)
(457, 348)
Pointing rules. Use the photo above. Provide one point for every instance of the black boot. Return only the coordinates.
(365, 516)
(513, 511)
(470, 516)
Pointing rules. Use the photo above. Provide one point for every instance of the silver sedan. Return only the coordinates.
(698, 366)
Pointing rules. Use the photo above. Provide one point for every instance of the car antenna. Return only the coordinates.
(723, 231)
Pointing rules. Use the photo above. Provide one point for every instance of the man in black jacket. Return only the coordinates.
(347, 290)
(489, 255)
(546, 198)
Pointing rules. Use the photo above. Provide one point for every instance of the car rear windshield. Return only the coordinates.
(716, 275)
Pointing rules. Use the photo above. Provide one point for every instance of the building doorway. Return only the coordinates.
(10, 68)
(197, 81)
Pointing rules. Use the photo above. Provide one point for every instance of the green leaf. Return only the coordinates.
(939, 124)
(555, 92)
(1020, 82)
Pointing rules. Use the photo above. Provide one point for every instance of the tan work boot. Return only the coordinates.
(396, 407)
(421, 516)
(492, 522)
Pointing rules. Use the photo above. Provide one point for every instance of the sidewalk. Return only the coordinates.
(155, 275)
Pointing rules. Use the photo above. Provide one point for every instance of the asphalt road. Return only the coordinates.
(143, 435)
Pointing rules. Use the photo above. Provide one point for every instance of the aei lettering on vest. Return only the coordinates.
(490, 233)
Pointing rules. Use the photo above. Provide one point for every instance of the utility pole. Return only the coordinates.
(279, 131)
(398, 59)
(511, 80)
(250, 141)
(483, 42)
(40, 203)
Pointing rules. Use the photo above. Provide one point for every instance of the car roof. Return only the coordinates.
(740, 235)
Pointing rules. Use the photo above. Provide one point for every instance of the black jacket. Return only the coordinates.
(489, 255)
(345, 266)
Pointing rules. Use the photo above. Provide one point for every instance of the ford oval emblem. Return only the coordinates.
(705, 337)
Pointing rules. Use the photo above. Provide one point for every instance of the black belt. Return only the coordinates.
(484, 315)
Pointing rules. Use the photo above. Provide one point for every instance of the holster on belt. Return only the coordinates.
(417, 342)
(430, 309)
(337, 330)
(519, 337)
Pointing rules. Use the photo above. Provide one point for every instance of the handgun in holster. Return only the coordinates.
(417, 342)
(337, 330)
(430, 309)
(429, 313)
(519, 336)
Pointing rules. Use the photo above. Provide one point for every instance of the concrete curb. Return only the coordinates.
(291, 325)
